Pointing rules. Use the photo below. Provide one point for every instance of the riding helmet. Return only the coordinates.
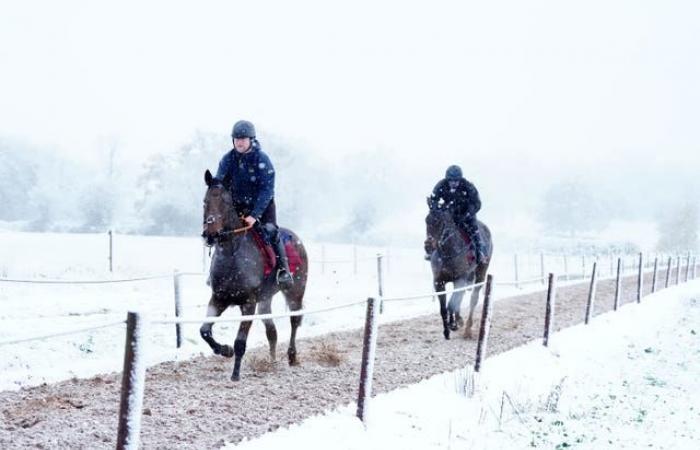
(453, 173)
(243, 129)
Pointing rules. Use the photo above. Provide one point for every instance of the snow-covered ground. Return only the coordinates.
(31, 309)
(627, 380)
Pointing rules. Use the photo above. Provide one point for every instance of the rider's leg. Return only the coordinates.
(472, 229)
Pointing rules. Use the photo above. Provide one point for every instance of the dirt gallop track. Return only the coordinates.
(192, 404)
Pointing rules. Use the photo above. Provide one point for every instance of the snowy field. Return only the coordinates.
(338, 274)
(527, 397)
(627, 380)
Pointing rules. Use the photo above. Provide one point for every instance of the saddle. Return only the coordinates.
(268, 253)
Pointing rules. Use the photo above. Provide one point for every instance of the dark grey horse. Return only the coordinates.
(452, 261)
(237, 275)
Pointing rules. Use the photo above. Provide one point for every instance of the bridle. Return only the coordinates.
(225, 232)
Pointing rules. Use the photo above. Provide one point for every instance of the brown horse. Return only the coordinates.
(452, 262)
(237, 275)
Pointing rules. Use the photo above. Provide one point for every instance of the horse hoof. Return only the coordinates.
(235, 377)
(446, 333)
(227, 351)
(454, 326)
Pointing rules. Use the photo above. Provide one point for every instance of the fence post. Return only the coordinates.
(111, 254)
(542, 267)
(178, 307)
(354, 259)
(485, 324)
(668, 271)
(367, 368)
(566, 268)
(133, 378)
(380, 284)
(687, 268)
(515, 265)
(695, 266)
(323, 259)
(653, 280)
(549, 312)
(678, 270)
(591, 294)
(640, 277)
(618, 284)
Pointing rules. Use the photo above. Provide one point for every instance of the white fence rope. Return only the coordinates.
(301, 312)
(432, 294)
(65, 333)
(124, 280)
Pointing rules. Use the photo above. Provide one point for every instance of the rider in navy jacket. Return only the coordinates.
(252, 185)
(462, 199)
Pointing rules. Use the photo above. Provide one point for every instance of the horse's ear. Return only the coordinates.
(208, 177)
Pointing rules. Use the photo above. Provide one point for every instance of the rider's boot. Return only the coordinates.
(284, 276)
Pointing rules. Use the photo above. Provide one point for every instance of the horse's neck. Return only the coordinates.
(451, 239)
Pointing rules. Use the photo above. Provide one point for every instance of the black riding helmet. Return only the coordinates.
(453, 172)
(243, 129)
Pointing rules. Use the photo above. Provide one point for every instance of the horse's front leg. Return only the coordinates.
(265, 307)
(239, 345)
(214, 309)
(440, 287)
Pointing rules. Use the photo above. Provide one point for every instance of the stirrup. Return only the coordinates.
(284, 277)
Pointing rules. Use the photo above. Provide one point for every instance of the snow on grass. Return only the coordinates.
(627, 380)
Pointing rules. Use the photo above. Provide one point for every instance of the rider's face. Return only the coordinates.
(241, 145)
(453, 184)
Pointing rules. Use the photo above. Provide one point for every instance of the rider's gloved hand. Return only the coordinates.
(249, 220)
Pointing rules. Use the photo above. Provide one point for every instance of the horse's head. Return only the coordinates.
(438, 217)
(219, 212)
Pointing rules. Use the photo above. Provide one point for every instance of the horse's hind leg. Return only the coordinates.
(265, 307)
(480, 277)
(294, 299)
(456, 304)
(214, 309)
(241, 338)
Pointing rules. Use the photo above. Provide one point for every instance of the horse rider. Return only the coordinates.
(462, 199)
(252, 185)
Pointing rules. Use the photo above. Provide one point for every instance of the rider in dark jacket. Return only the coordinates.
(252, 185)
(462, 199)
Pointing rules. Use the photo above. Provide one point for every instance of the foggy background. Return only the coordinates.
(577, 122)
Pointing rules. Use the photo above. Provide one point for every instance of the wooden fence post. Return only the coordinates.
(549, 312)
(542, 267)
(678, 270)
(380, 284)
(485, 324)
(111, 251)
(133, 378)
(178, 308)
(591, 294)
(367, 369)
(668, 271)
(653, 279)
(618, 284)
(640, 278)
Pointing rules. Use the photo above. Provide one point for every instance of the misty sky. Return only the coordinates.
(544, 84)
